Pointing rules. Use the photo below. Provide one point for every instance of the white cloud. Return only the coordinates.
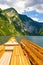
(8, 0)
(4, 6)
(21, 5)
(40, 20)
(38, 8)
(35, 19)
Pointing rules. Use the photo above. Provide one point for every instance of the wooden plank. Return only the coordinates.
(9, 48)
(18, 57)
(2, 49)
(12, 39)
(5, 59)
(33, 56)
(11, 43)
(38, 48)
(38, 54)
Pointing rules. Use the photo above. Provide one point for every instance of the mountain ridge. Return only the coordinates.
(19, 24)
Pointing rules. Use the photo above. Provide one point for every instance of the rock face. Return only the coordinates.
(13, 23)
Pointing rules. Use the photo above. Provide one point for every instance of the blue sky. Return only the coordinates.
(31, 8)
(34, 15)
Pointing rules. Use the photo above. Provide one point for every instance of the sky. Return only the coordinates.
(31, 8)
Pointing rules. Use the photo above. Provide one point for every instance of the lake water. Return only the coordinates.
(36, 39)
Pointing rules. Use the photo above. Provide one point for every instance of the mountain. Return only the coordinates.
(31, 26)
(13, 23)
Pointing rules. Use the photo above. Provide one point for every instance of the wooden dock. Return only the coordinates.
(26, 53)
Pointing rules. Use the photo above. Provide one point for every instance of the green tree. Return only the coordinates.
(0, 10)
(41, 31)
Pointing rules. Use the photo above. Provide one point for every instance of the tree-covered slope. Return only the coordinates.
(12, 23)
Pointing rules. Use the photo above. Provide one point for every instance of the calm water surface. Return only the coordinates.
(37, 39)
